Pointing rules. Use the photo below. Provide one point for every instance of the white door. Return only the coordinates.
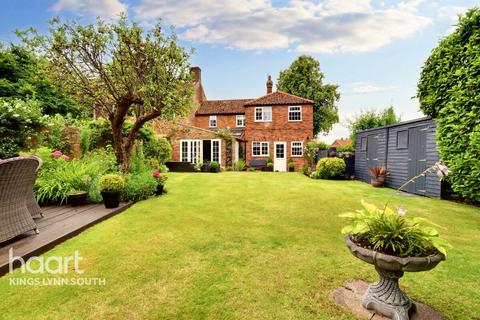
(280, 157)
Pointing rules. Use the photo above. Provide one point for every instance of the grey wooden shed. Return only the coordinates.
(406, 148)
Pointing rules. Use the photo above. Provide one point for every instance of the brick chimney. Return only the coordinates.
(269, 84)
(197, 82)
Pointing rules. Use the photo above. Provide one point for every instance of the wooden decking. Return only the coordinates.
(59, 224)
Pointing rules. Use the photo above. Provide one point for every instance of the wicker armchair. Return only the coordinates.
(17, 176)
(32, 203)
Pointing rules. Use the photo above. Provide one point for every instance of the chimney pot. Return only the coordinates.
(269, 84)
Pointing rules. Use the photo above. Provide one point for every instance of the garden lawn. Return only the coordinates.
(243, 245)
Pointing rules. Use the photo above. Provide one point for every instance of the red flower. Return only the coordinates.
(57, 154)
(157, 174)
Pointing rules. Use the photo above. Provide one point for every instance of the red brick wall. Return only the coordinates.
(278, 130)
(223, 121)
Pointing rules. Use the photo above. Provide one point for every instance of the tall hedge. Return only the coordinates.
(449, 91)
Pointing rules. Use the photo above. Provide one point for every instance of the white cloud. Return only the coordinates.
(324, 27)
(102, 8)
(364, 88)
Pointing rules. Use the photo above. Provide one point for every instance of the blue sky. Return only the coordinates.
(373, 50)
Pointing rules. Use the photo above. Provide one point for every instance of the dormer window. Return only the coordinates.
(295, 113)
(212, 121)
(263, 114)
(240, 120)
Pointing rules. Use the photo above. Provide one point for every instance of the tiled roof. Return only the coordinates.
(278, 97)
(341, 142)
(233, 106)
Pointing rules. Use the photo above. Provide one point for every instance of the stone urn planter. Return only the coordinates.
(385, 296)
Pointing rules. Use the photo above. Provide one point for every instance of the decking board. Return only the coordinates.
(59, 224)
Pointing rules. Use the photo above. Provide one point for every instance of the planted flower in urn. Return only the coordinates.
(394, 242)
(161, 179)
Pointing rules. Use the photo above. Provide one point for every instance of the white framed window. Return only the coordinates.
(260, 149)
(212, 121)
(295, 113)
(240, 120)
(215, 150)
(296, 148)
(263, 114)
(191, 151)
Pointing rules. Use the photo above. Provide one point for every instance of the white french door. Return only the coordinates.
(191, 151)
(280, 156)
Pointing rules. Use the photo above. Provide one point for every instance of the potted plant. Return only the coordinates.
(291, 166)
(394, 243)
(378, 173)
(161, 178)
(76, 197)
(269, 164)
(111, 186)
(214, 166)
(205, 167)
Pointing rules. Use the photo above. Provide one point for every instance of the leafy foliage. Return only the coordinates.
(18, 122)
(111, 182)
(139, 186)
(345, 148)
(449, 91)
(57, 176)
(240, 165)
(214, 165)
(25, 76)
(330, 168)
(304, 78)
(158, 148)
(392, 233)
(372, 119)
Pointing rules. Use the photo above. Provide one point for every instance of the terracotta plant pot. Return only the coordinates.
(377, 183)
(385, 296)
(111, 199)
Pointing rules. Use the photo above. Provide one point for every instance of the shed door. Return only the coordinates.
(417, 157)
(372, 151)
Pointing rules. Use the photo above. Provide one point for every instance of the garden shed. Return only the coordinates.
(406, 148)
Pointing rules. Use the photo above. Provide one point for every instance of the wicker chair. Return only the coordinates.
(17, 176)
(32, 203)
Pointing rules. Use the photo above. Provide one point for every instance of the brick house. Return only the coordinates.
(276, 125)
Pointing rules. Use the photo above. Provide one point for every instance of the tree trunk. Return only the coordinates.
(118, 146)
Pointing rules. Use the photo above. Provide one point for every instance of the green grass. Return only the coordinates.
(243, 246)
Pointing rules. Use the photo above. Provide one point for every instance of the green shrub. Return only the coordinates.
(346, 148)
(57, 137)
(214, 165)
(270, 160)
(57, 176)
(111, 182)
(240, 165)
(448, 91)
(19, 120)
(372, 119)
(306, 170)
(330, 168)
(251, 169)
(139, 186)
(291, 164)
(158, 148)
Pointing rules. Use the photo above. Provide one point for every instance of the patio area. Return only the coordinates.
(58, 224)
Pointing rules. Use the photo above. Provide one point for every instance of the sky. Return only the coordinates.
(373, 50)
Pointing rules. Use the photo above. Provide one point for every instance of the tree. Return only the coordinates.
(24, 76)
(448, 91)
(304, 78)
(120, 71)
(372, 119)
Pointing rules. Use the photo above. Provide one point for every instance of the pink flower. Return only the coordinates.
(157, 174)
(57, 154)
(442, 170)
(66, 158)
(402, 211)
